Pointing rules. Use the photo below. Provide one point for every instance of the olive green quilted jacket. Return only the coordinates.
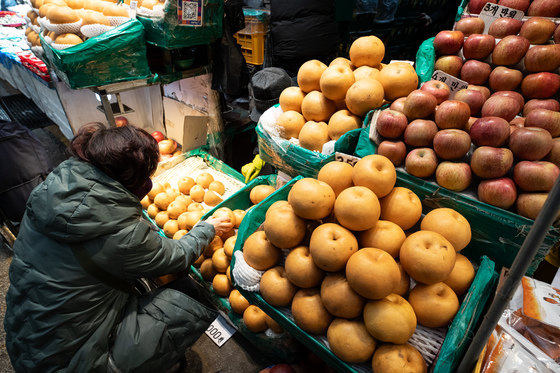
(60, 318)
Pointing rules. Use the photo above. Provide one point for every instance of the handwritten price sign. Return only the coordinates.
(492, 12)
(455, 84)
(220, 331)
(350, 159)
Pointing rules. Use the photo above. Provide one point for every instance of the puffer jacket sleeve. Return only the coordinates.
(148, 254)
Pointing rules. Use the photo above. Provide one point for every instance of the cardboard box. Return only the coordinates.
(185, 125)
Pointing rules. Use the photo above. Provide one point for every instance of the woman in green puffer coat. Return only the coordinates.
(61, 317)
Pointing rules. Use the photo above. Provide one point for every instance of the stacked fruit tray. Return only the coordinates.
(320, 257)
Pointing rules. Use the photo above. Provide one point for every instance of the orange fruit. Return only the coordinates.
(364, 95)
(367, 51)
(309, 75)
(398, 80)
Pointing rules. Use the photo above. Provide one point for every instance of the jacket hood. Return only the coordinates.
(77, 202)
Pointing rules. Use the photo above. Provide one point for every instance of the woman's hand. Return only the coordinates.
(221, 225)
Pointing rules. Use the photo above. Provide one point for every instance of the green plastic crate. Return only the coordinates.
(167, 33)
(117, 55)
(497, 233)
(295, 160)
(458, 336)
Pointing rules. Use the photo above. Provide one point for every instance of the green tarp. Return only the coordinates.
(115, 56)
(167, 33)
(425, 60)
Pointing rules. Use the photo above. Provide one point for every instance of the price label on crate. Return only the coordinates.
(491, 12)
(350, 159)
(455, 84)
(220, 331)
(328, 147)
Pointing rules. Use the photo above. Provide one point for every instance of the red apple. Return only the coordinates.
(522, 5)
(530, 143)
(504, 79)
(419, 104)
(471, 97)
(515, 95)
(470, 25)
(510, 50)
(439, 89)
(421, 162)
(498, 192)
(281, 368)
(554, 154)
(485, 91)
(470, 123)
(530, 204)
(536, 176)
(121, 121)
(556, 36)
(158, 136)
(500, 106)
(542, 58)
(398, 104)
(475, 6)
(475, 72)
(490, 131)
(394, 150)
(490, 163)
(478, 47)
(454, 176)
(549, 104)
(452, 114)
(544, 8)
(537, 30)
(452, 144)
(420, 133)
(543, 118)
(540, 85)
(448, 42)
(391, 123)
(167, 146)
(503, 27)
(516, 123)
(449, 64)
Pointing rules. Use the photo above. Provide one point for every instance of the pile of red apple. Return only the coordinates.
(509, 163)
(543, 8)
(167, 147)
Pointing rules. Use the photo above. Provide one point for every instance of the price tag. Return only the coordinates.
(220, 331)
(133, 8)
(491, 12)
(455, 84)
(328, 147)
(405, 61)
(350, 159)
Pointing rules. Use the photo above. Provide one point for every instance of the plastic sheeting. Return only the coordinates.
(425, 60)
(167, 33)
(458, 335)
(291, 158)
(115, 56)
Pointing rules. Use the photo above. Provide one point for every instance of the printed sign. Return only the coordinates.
(492, 12)
(220, 331)
(350, 159)
(455, 84)
(189, 12)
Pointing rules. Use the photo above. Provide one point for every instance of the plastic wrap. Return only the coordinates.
(458, 335)
(291, 158)
(114, 56)
(508, 356)
(167, 33)
(425, 60)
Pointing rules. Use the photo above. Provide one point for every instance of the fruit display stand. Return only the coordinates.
(166, 32)
(497, 233)
(117, 55)
(291, 158)
(454, 342)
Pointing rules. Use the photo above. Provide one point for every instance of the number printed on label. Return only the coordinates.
(455, 84)
(491, 12)
(350, 159)
(220, 331)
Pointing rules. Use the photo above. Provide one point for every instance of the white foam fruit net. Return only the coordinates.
(91, 31)
(63, 28)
